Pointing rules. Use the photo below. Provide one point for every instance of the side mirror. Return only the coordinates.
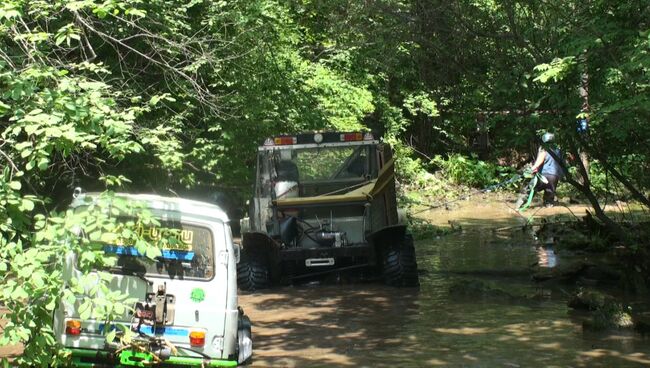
(237, 249)
(244, 225)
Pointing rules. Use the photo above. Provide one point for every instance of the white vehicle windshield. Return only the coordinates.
(191, 256)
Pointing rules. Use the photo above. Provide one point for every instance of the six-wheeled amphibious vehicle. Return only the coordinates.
(322, 203)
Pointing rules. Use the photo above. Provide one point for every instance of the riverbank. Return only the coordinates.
(496, 211)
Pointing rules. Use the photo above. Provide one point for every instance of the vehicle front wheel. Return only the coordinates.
(400, 266)
(252, 275)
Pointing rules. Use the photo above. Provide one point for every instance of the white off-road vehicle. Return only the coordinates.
(186, 312)
(323, 203)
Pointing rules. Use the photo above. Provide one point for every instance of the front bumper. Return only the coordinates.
(296, 254)
(101, 358)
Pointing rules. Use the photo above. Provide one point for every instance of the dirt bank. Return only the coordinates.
(496, 211)
(10, 351)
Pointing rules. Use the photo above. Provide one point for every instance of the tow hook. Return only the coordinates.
(157, 310)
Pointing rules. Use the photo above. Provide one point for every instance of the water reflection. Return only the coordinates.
(546, 257)
(369, 325)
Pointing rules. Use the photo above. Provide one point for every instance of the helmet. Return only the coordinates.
(547, 137)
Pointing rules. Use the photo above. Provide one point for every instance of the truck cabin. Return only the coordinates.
(322, 181)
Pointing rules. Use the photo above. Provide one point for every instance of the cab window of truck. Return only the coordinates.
(332, 163)
(191, 256)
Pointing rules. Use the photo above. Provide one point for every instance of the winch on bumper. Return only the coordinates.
(315, 257)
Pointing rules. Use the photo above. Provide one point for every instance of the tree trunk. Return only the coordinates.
(584, 94)
(585, 188)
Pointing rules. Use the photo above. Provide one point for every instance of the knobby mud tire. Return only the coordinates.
(252, 275)
(400, 265)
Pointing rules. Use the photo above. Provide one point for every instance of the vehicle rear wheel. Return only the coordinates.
(252, 275)
(400, 266)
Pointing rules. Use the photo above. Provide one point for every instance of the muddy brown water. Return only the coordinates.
(369, 325)
(355, 324)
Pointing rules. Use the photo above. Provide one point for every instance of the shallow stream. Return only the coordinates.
(370, 325)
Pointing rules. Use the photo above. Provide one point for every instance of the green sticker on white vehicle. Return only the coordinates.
(198, 295)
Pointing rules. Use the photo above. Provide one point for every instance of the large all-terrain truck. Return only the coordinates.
(323, 203)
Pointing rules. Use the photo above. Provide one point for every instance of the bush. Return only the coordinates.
(470, 171)
(633, 167)
(407, 168)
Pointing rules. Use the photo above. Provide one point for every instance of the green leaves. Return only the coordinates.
(26, 205)
(179, 100)
(471, 171)
(136, 12)
(67, 33)
(9, 10)
(556, 70)
(110, 337)
(19, 293)
(421, 103)
(341, 104)
(157, 98)
(31, 278)
(85, 309)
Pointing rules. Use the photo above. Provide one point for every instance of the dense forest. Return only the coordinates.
(173, 97)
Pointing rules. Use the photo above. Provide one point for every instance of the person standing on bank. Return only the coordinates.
(549, 168)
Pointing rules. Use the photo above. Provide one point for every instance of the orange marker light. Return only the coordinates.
(73, 327)
(285, 140)
(348, 137)
(197, 338)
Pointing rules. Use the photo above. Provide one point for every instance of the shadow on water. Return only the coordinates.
(370, 325)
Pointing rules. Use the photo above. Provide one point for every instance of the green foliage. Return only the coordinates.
(608, 54)
(421, 103)
(556, 70)
(472, 172)
(407, 167)
(342, 105)
(166, 95)
(604, 184)
(32, 271)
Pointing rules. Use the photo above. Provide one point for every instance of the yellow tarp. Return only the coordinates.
(358, 195)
